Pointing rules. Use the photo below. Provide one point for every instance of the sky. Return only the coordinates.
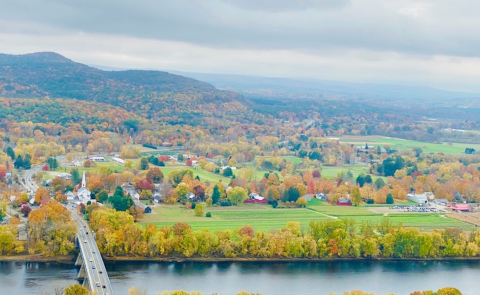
(431, 43)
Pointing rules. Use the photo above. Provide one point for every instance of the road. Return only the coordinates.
(93, 262)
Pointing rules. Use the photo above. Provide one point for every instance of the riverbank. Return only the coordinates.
(243, 259)
(66, 259)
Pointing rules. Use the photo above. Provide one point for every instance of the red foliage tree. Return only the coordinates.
(46, 168)
(316, 174)
(145, 184)
(188, 162)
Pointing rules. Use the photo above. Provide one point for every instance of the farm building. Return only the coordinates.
(459, 208)
(344, 202)
(321, 196)
(418, 198)
(118, 161)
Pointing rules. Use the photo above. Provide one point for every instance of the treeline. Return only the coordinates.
(117, 235)
(80, 290)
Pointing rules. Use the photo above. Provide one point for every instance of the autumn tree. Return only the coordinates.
(355, 196)
(237, 195)
(42, 195)
(155, 174)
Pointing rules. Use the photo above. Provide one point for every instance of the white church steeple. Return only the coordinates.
(84, 182)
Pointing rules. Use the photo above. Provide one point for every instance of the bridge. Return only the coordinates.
(92, 269)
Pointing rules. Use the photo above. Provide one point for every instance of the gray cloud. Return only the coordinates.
(405, 40)
(437, 27)
(287, 5)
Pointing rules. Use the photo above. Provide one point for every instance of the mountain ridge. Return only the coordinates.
(151, 94)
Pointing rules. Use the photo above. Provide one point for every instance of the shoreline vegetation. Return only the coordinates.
(68, 259)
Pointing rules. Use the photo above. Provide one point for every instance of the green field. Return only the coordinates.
(202, 174)
(424, 221)
(402, 144)
(260, 217)
(265, 218)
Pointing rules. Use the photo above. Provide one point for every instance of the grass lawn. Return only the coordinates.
(204, 175)
(108, 163)
(265, 218)
(424, 221)
(260, 217)
(402, 144)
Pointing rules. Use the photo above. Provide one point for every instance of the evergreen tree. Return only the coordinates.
(216, 195)
(10, 152)
(18, 162)
(76, 176)
(144, 164)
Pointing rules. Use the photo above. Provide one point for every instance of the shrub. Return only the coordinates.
(198, 210)
(370, 201)
(208, 214)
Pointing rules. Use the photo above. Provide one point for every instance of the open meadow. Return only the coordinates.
(265, 218)
(403, 144)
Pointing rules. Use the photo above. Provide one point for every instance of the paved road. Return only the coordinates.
(94, 266)
(96, 272)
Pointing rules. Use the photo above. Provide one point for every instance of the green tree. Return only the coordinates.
(119, 201)
(390, 199)
(102, 196)
(52, 163)
(237, 195)
(10, 152)
(379, 183)
(360, 179)
(355, 196)
(18, 162)
(293, 194)
(144, 164)
(76, 178)
(198, 210)
(227, 172)
(216, 195)
(180, 157)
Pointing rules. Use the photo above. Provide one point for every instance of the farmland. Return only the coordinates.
(402, 144)
(265, 218)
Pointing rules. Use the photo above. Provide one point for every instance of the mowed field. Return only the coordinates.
(259, 217)
(402, 144)
(265, 218)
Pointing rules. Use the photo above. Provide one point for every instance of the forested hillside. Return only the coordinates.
(151, 94)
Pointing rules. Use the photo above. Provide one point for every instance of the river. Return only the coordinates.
(285, 278)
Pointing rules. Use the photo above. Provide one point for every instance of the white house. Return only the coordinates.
(83, 194)
(70, 196)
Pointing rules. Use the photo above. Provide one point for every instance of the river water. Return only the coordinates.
(286, 278)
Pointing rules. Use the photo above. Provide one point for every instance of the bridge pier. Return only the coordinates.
(86, 283)
(79, 261)
(82, 274)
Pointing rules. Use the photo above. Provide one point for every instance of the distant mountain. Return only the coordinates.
(151, 94)
(297, 87)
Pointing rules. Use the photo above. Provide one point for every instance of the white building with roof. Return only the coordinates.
(83, 194)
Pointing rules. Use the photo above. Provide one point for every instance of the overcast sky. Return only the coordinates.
(432, 42)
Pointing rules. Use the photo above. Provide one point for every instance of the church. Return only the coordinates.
(83, 194)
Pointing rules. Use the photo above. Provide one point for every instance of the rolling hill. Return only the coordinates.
(150, 94)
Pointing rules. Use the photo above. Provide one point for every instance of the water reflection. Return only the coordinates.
(268, 278)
